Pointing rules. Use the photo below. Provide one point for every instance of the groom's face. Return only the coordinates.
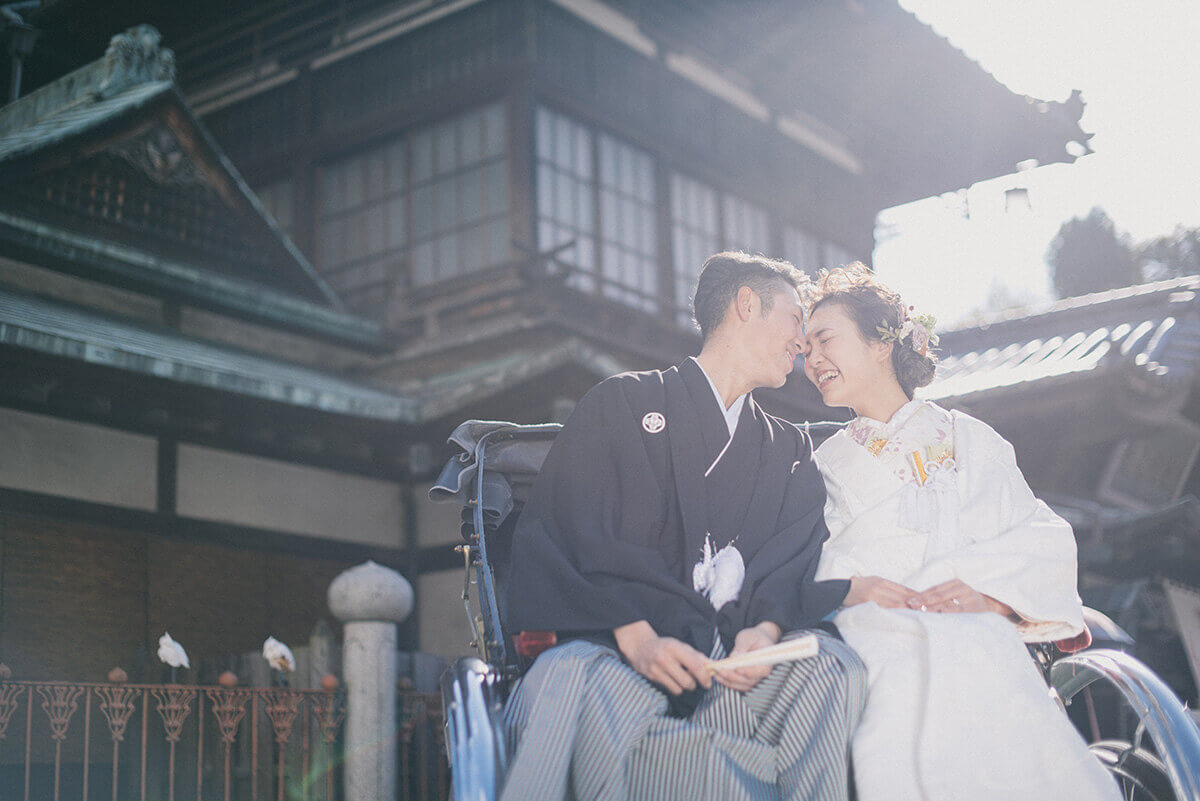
(775, 336)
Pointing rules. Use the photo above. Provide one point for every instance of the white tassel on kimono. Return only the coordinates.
(932, 509)
(719, 576)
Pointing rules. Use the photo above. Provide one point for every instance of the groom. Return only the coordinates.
(675, 521)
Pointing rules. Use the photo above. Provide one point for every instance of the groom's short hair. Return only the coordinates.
(723, 274)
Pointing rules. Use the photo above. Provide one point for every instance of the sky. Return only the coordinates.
(1137, 63)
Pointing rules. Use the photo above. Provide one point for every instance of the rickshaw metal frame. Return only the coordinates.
(1174, 733)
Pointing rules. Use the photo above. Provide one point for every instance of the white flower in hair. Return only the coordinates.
(922, 332)
(918, 326)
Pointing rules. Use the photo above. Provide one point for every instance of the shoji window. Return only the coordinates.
(694, 229)
(427, 206)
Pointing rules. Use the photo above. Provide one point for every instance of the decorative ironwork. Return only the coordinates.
(330, 712)
(229, 707)
(282, 706)
(59, 701)
(10, 699)
(413, 710)
(436, 716)
(174, 705)
(303, 760)
(117, 705)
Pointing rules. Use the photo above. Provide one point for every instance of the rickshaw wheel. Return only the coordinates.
(1141, 774)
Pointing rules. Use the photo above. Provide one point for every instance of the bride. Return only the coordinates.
(954, 566)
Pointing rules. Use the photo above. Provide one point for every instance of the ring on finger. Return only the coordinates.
(955, 602)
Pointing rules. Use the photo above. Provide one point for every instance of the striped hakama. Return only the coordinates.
(585, 726)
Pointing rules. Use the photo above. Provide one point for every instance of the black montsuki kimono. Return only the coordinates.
(619, 513)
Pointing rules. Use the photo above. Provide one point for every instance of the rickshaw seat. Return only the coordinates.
(529, 644)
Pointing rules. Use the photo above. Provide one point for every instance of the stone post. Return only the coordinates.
(370, 600)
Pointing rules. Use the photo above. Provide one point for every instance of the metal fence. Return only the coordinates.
(421, 748)
(63, 740)
(104, 742)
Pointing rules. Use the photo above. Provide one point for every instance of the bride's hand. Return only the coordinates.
(957, 596)
(888, 594)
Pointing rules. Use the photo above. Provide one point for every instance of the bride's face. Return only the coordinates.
(845, 366)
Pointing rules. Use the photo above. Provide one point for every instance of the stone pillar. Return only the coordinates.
(370, 600)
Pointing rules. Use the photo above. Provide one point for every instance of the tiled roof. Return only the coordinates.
(453, 390)
(105, 260)
(60, 124)
(113, 100)
(1152, 330)
(35, 324)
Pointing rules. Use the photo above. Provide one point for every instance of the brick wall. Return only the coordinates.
(76, 599)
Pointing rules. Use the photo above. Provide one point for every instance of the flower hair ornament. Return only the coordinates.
(919, 326)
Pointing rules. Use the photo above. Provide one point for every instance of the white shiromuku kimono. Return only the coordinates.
(957, 710)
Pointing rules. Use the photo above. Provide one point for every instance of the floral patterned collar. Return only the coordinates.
(919, 434)
(867, 431)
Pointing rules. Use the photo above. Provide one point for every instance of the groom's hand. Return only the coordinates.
(747, 640)
(888, 594)
(672, 663)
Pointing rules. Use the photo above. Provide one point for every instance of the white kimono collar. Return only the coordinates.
(734, 412)
(897, 421)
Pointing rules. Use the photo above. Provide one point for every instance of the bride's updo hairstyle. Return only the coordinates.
(872, 307)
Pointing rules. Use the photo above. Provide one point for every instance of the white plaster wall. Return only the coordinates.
(444, 629)
(77, 460)
(252, 491)
(437, 523)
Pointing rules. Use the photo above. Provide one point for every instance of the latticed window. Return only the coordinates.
(565, 194)
(179, 207)
(598, 196)
(802, 249)
(628, 245)
(362, 230)
(419, 209)
(460, 196)
(694, 227)
(704, 221)
(745, 226)
(598, 192)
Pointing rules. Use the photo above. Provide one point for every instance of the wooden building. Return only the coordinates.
(227, 390)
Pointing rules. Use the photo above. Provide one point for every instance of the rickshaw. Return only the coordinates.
(1154, 754)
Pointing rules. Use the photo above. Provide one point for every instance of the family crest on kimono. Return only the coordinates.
(954, 566)
(674, 522)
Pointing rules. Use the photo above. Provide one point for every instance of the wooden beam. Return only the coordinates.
(53, 507)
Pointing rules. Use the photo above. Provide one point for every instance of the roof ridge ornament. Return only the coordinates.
(135, 57)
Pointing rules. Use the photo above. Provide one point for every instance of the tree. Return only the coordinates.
(1173, 255)
(1088, 255)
